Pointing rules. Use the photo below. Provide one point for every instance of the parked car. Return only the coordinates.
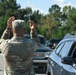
(41, 38)
(40, 59)
(62, 61)
(53, 42)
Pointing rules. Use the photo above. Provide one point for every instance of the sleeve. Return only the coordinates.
(33, 34)
(35, 39)
(2, 45)
(5, 36)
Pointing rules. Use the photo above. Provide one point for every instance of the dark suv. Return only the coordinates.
(62, 61)
(40, 58)
(41, 38)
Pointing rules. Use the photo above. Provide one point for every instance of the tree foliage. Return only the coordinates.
(55, 24)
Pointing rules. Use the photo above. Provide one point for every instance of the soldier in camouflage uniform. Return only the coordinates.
(18, 51)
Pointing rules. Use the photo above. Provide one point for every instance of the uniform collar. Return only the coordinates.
(19, 38)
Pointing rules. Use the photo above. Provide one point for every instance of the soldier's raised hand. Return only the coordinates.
(32, 25)
(9, 22)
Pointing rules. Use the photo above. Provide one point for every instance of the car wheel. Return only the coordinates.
(48, 73)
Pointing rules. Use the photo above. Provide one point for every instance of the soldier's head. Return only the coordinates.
(18, 28)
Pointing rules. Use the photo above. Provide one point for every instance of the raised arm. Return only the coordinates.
(33, 32)
(33, 35)
(6, 34)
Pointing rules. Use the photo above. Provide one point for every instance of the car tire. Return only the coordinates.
(48, 73)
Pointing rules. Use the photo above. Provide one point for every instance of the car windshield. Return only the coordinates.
(42, 40)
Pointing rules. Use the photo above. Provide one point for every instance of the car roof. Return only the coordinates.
(68, 39)
(41, 37)
(68, 35)
(28, 35)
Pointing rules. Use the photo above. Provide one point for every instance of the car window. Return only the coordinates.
(73, 51)
(53, 43)
(55, 40)
(42, 40)
(65, 50)
(59, 47)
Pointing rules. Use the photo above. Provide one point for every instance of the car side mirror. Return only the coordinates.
(67, 60)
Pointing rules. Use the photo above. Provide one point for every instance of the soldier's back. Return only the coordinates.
(19, 56)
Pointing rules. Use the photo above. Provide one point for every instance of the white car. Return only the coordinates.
(62, 61)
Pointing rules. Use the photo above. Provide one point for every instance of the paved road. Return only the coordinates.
(1, 65)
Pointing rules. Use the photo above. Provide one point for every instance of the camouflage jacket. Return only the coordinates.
(18, 54)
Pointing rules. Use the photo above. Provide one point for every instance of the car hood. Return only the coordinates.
(43, 48)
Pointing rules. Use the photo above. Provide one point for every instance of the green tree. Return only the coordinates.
(10, 7)
(55, 17)
(7, 9)
(69, 23)
(36, 16)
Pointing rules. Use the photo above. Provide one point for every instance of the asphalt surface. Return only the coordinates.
(1, 65)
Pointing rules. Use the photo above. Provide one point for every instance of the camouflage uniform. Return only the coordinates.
(18, 54)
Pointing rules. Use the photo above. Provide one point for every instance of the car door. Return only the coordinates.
(66, 69)
(55, 60)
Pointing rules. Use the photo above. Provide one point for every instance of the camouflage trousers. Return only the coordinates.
(29, 71)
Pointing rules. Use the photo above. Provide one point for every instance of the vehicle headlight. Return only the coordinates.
(47, 54)
(36, 54)
(39, 54)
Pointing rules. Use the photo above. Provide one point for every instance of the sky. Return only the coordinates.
(44, 5)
